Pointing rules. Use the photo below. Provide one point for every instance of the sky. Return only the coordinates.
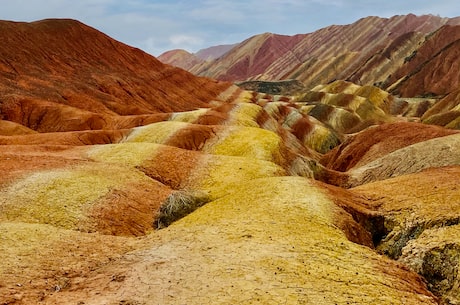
(156, 26)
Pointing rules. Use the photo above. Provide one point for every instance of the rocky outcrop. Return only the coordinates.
(376, 142)
(422, 225)
(285, 87)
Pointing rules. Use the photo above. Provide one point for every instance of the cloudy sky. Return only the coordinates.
(156, 25)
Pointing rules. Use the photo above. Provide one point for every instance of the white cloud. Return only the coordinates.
(190, 40)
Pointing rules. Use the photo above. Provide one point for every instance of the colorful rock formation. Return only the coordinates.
(408, 55)
(125, 181)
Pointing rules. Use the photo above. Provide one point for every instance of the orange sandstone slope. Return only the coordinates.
(63, 75)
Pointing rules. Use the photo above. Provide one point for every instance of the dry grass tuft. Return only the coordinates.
(178, 205)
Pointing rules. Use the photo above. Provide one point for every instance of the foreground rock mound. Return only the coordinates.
(422, 225)
(281, 244)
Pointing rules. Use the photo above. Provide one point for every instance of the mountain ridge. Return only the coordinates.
(367, 52)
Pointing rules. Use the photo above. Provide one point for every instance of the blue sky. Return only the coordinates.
(156, 26)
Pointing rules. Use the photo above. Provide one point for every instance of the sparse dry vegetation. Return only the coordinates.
(179, 204)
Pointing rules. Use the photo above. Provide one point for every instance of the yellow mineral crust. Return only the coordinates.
(155, 133)
(272, 241)
(244, 114)
(216, 175)
(129, 154)
(62, 197)
(248, 142)
(221, 175)
(188, 116)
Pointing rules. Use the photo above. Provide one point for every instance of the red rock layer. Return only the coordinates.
(214, 52)
(432, 69)
(378, 141)
(64, 69)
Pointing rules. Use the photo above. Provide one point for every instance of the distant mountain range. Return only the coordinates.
(407, 55)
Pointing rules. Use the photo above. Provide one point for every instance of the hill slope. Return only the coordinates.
(64, 75)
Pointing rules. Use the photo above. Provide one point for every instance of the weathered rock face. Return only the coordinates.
(422, 225)
(379, 141)
(187, 190)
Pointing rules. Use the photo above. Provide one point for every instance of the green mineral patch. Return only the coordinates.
(376, 96)
(292, 118)
(454, 124)
(61, 197)
(368, 111)
(155, 133)
(248, 142)
(188, 116)
(130, 154)
(342, 120)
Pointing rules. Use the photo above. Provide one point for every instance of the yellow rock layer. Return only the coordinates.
(188, 116)
(38, 259)
(244, 114)
(216, 175)
(248, 142)
(221, 175)
(129, 154)
(156, 132)
(61, 197)
(272, 241)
